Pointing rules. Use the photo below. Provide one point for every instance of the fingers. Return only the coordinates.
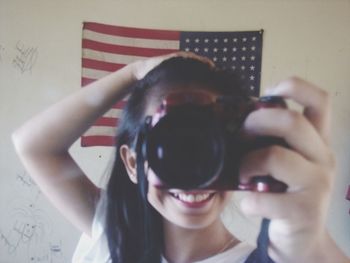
(298, 132)
(266, 205)
(142, 67)
(308, 185)
(195, 56)
(297, 208)
(307, 167)
(316, 102)
(186, 55)
(276, 206)
(281, 163)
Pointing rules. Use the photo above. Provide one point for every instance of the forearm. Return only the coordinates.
(56, 129)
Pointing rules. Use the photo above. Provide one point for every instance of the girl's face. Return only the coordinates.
(188, 209)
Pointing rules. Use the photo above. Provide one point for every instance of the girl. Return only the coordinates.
(135, 221)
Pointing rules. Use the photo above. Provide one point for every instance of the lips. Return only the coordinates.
(193, 199)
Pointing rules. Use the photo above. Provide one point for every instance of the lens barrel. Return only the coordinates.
(186, 147)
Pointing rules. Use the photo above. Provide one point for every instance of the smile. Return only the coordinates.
(192, 198)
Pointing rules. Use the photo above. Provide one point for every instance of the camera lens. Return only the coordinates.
(185, 148)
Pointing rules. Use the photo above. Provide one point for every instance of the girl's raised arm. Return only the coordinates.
(42, 142)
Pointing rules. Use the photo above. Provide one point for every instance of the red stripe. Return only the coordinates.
(132, 32)
(348, 194)
(125, 50)
(120, 104)
(86, 81)
(100, 65)
(97, 141)
(106, 121)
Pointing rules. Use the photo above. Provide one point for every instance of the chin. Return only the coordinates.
(192, 223)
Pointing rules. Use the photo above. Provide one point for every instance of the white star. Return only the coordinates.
(234, 58)
(197, 40)
(235, 40)
(252, 68)
(234, 49)
(244, 48)
(225, 40)
(215, 50)
(244, 39)
(251, 77)
(196, 49)
(187, 40)
(243, 68)
(216, 40)
(224, 49)
(224, 59)
(252, 58)
(215, 58)
(252, 48)
(206, 40)
(243, 58)
(206, 49)
(187, 49)
(233, 67)
(253, 38)
(252, 87)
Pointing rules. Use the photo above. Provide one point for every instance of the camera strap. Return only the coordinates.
(260, 254)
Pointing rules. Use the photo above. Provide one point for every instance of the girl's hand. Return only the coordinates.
(297, 230)
(142, 67)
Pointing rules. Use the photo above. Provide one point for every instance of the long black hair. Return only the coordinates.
(133, 227)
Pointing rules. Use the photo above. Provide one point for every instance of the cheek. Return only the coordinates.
(155, 197)
(223, 199)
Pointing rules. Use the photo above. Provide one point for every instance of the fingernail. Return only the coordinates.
(269, 90)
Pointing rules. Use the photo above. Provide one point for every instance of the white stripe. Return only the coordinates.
(100, 131)
(110, 57)
(131, 42)
(113, 113)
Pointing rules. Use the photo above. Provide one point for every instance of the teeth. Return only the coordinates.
(191, 198)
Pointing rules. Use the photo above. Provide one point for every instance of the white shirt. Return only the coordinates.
(94, 249)
(237, 254)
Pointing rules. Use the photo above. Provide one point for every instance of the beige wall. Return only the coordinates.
(309, 38)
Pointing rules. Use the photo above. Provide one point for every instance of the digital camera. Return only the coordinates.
(195, 141)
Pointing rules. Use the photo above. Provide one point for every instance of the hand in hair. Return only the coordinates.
(142, 67)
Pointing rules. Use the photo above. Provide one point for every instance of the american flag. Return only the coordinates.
(107, 48)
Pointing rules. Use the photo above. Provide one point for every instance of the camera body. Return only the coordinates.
(195, 141)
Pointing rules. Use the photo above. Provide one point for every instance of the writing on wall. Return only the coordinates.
(23, 57)
(30, 230)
